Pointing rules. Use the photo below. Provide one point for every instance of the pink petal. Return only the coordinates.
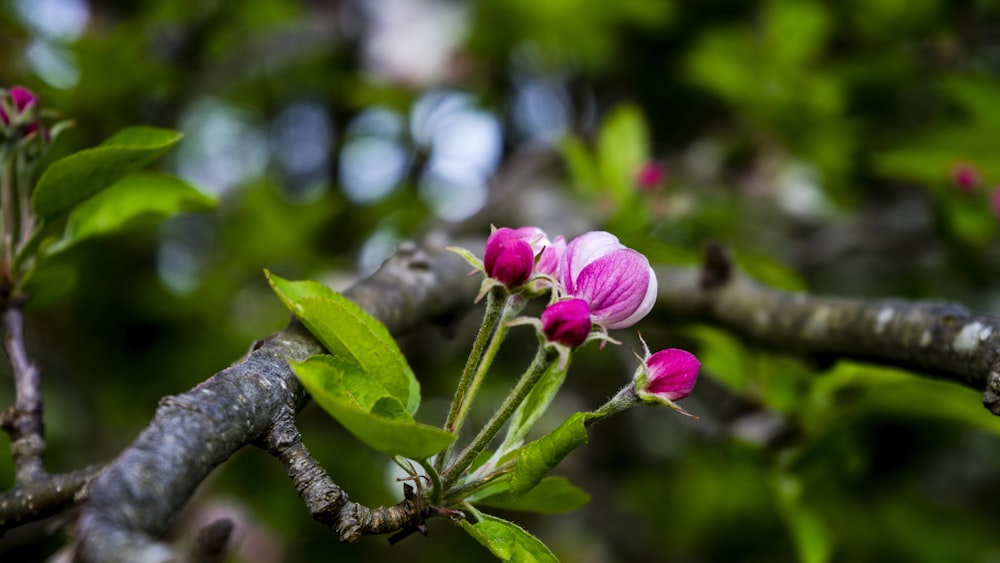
(644, 307)
(551, 256)
(615, 286)
(583, 250)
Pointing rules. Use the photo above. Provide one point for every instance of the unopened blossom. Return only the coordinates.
(965, 176)
(23, 100)
(505, 259)
(616, 282)
(668, 374)
(567, 322)
(508, 258)
(650, 175)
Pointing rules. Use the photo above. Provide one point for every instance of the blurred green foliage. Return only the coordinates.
(820, 140)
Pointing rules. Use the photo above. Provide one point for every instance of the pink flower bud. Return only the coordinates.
(567, 322)
(965, 176)
(509, 258)
(22, 98)
(650, 176)
(668, 374)
(615, 281)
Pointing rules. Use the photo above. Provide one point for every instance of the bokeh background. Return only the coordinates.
(845, 147)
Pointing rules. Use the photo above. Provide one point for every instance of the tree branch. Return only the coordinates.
(42, 497)
(327, 502)
(938, 339)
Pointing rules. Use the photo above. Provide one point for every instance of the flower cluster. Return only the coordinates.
(597, 284)
(596, 280)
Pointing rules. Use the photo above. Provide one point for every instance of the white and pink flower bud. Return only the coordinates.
(616, 282)
(567, 322)
(666, 376)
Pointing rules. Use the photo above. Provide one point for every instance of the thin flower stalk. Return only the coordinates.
(512, 306)
(543, 359)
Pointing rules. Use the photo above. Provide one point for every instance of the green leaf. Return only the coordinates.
(533, 407)
(622, 147)
(724, 357)
(551, 496)
(979, 97)
(77, 177)
(810, 532)
(508, 541)
(351, 333)
(537, 458)
(138, 199)
(360, 403)
(53, 280)
(582, 165)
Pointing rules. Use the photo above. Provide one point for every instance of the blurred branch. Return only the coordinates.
(23, 420)
(943, 340)
(132, 502)
(41, 497)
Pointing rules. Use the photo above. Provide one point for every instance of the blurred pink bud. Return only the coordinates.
(567, 322)
(508, 258)
(22, 98)
(965, 176)
(615, 281)
(650, 175)
(667, 375)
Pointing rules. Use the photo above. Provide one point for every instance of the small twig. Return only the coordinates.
(44, 497)
(326, 501)
(23, 421)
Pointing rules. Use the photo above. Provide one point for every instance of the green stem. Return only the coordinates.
(490, 318)
(7, 203)
(542, 360)
(23, 180)
(435, 478)
(511, 307)
(494, 306)
(466, 489)
(625, 399)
